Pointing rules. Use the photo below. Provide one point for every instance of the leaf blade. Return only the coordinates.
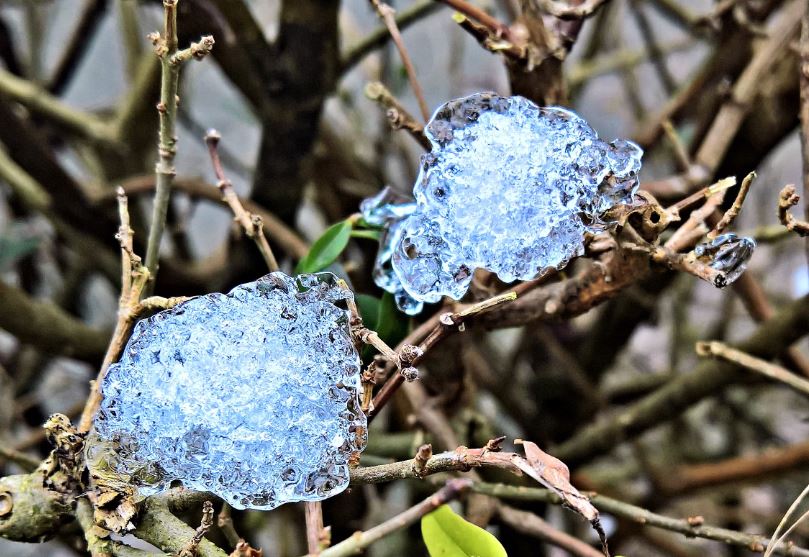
(326, 249)
(448, 535)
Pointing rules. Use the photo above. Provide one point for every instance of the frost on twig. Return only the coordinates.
(509, 187)
(251, 395)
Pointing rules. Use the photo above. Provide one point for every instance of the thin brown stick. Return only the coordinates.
(803, 50)
(388, 16)
(225, 523)
(532, 525)
(756, 467)
(398, 116)
(359, 541)
(498, 28)
(134, 277)
(252, 224)
(563, 10)
(432, 332)
(731, 214)
(314, 527)
(690, 528)
(787, 199)
(724, 352)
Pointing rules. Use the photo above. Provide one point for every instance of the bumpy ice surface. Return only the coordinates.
(509, 187)
(251, 395)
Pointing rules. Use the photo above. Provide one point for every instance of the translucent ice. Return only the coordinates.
(251, 395)
(509, 187)
(388, 210)
(727, 253)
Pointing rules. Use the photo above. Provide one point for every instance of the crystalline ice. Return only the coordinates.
(388, 210)
(727, 253)
(509, 187)
(251, 395)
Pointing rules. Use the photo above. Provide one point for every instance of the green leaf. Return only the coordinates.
(448, 535)
(369, 309)
(367, 234)
(391, 324)
(326, 249)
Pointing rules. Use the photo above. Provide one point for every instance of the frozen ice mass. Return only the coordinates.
(509, 186)
(251, 395)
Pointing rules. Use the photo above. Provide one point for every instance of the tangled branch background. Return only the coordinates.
(648, 398)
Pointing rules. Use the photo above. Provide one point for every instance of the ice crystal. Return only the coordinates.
(727, 253)
(251, 395)
(509, 187)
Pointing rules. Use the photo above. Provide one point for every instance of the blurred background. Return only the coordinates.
(302, 140)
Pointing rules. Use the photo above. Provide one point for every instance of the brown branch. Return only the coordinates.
(772, 337)
(359, 541)
(388, 16)
(787, 199)
(379, 37)
(190, 548)
(756, 467)
(287, 238)
(47, 326)
(252, 224)
(316, 535)
(724, 352)
(430, 333)
(398, 115)
(690, 528)
(498, 28)
(803, 50)
(563, 10)
(134, 277)
(532, 525)
(731, 214)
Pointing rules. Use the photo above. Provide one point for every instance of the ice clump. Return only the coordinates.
(251, 395)
(727, 253)
(509, 187)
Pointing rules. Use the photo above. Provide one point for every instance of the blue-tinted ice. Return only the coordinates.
(509, 187)
(727, 253)
(251, 395)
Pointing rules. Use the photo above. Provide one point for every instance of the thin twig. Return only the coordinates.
(225, 523)
(428, 335)
(398, 115)
(388, 16)
(316, 536)
(563, 10)
(531, 524)
(765, 368)
(803, 49)
(166, 48)
(731, 214)
(498, 28)
(252, 224)
(134, 277)
(639, 515)
(787, 199)
(359, 541)
(380, 36)
(190, 548)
